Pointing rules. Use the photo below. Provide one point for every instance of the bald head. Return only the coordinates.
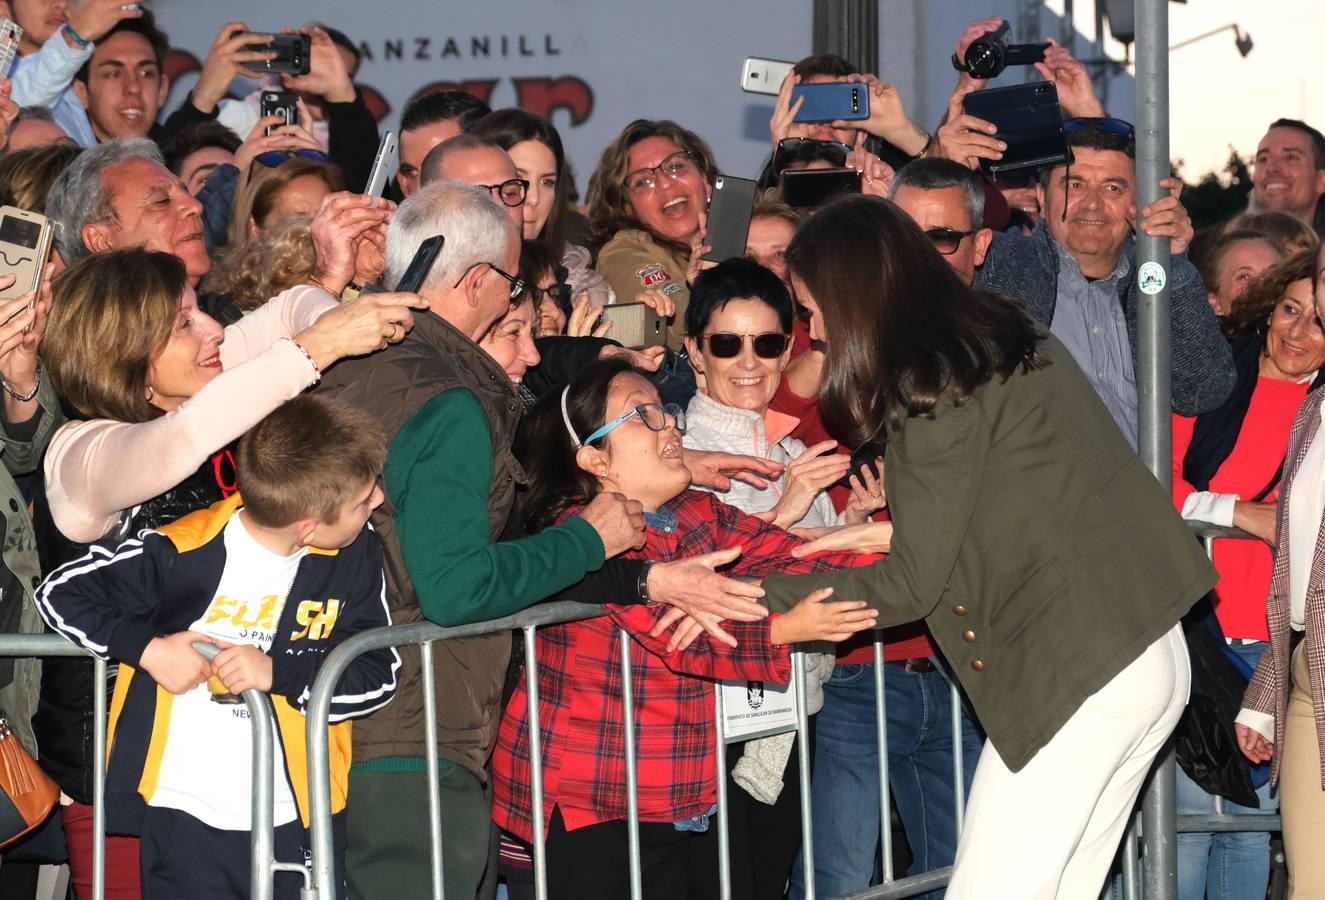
(470, 159)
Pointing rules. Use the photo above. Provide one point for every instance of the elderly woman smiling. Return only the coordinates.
(739, 325)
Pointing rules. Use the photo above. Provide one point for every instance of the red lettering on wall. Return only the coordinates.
(180, 63)
(543, 96)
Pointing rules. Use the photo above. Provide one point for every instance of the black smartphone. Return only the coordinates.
(864, 458)
(1029, 121)
(421, 265)
(279, 103)
(293, 53)
(832, 100)
(729, 217)
(809, 188)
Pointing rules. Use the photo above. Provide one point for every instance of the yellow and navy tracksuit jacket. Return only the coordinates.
(114, 600)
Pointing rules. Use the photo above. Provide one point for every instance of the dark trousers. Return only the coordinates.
(764, 839)
(185, 858)
(592, 863)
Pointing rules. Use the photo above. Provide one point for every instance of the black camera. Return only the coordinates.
(989, 54)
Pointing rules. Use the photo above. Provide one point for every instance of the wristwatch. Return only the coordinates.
(642, 585)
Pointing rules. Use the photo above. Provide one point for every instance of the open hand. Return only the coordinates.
(694, 588)
(1253, 744)
(816, 619)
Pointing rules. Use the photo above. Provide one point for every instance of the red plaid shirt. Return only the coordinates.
(579, 683)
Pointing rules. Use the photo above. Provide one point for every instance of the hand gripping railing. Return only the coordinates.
(424, 634)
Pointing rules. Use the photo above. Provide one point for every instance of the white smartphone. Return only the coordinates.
(25, 243)
(764, 76)
(635, 325)
(382, 166)
(10, 35)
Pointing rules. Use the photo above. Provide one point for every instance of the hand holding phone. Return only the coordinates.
(728, 220)
(419, 267)
(832, 101)
(10, 35)
(25, 244)
(292, 53)
(284, 104)
(764, 76)
(383, 163)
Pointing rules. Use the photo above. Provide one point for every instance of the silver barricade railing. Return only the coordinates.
(44, 645)
(423, 634)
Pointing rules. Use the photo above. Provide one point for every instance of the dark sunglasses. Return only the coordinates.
(947, 240)
(273, 158)
(559, 292)
(518, 286)
(791, 149)
(1120, 127)
(725, 345)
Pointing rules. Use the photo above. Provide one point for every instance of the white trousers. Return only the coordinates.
(1052, 829)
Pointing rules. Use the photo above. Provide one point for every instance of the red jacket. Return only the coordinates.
(579, 683)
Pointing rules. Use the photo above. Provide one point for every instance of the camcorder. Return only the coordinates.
(989, 54)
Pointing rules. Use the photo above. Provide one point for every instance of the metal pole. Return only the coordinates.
(881, 734)
(803, 751)
(632, 773)
(849, 28)
(99, 779)
(1153, 384)
(535, 762)
(434, 780)
(724, 824)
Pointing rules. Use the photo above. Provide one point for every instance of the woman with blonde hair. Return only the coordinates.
(258, 268)
(281, 184)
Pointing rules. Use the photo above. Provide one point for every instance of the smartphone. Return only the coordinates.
(25, 243)
(293, 53)
(830, 101)
(636, 325)
(10, 35)
(729, 217)
(421, 265)
(1029, 121)
(764, 76)
(809, 188)
(279, 103)
(383, 164)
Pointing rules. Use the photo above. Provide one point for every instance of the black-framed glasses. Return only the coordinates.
(675, 167)
(511, 192)
(791, 150)
(518, 285)
(652, 415)
(559, 292)
(725, 344)
(947, 240)
(273, 158)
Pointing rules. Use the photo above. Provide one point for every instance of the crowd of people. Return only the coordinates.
(909, 411)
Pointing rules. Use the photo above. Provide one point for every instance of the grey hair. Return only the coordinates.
(430, 169)
(477, 230)
(79, 198)
(933, 174)
(35, 114)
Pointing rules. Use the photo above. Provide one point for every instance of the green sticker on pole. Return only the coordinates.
(1151, 277)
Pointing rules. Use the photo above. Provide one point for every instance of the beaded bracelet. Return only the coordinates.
(308, 356)
(22, 398)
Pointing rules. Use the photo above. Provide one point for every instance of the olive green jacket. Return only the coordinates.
(1039, 550)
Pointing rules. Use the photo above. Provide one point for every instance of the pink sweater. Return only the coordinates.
(95, 470)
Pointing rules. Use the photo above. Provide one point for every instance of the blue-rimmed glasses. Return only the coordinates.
(652, 415)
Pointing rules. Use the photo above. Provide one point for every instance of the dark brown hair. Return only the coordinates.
(307, 460)
(903, 330)
(1252, 311)
(508, 127)
(110, 314)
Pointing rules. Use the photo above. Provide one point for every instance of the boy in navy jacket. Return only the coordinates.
(277, 576)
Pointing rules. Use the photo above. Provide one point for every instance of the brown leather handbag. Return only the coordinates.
(27, 794)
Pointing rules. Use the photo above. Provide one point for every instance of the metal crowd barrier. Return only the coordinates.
(259, 707)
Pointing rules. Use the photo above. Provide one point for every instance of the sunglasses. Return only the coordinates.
(652, 415)
(518, 286)
(947, 240)
(790, 149)
(1120, 127)
(725, 345)
(559, 292)
(273, 158)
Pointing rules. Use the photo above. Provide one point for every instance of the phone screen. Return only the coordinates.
(18, 231)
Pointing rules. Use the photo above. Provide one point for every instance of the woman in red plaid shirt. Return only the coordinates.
(609, 432)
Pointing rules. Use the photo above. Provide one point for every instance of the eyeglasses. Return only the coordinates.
(789, 149)
(518, 286)
(652, 415)
(1119, 127)
(559, 292)
(725, 345)
(510, 192)
(675, 167)
(947, 240)
(273, 158)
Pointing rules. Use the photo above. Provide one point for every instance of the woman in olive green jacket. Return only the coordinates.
(1046, 560)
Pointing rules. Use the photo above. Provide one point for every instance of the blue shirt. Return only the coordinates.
(1088, 319)
(45, 78)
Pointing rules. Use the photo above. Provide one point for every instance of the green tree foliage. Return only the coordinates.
(1218, 196)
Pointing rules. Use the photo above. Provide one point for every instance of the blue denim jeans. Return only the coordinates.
(1229, 865)
(845, 788)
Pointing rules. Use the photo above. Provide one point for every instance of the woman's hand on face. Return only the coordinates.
(867, 493)
(586, 319)
(817, 619)
(692, 587)
(367, 323)
(868, 537)
(1258, 520)
(807, 475)
(1253, 744)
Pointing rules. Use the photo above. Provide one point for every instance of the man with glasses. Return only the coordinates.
(947, 201)
(1076, 273)
(475, 160)
(450, 414)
